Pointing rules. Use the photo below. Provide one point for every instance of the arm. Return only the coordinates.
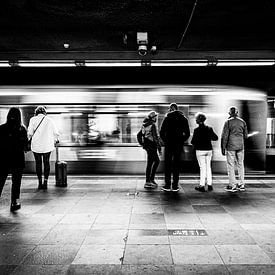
(163, 129)
(30, 129)
(224, 138)
(213, 134)
(194, 138)
(186, 131)
(245, 134)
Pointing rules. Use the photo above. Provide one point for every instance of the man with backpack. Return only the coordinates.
(148, 137)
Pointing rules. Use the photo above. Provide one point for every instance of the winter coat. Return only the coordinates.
(233, 135)
(150, 134)
(13, 142)
(202, 137)
(174, 129)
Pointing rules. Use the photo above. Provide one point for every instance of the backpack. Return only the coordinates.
(140, 137)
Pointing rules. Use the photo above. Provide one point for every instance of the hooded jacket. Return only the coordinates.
(174, 129)
(151, 137)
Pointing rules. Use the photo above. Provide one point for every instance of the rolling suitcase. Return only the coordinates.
(60, 171)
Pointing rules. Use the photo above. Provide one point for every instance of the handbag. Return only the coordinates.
(30, 140)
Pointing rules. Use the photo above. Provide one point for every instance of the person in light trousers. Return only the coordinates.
(232, 145)
(201, 140)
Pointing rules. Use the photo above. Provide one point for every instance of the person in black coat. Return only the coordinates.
(13, 142)
(174, 132)
(202, 137)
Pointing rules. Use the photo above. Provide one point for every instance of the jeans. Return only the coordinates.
(235, 158)
(204, 160)
(38, 164)
(172, 164)
(16, 176)
(152, 164)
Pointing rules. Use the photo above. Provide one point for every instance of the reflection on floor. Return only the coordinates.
(112, 225)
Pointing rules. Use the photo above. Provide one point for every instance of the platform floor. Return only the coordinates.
(112, 225)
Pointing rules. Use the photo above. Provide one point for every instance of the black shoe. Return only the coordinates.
(45, 185)
(166, 188)
(15, 206)
(40, 185)
(200, 188)
(210, 188)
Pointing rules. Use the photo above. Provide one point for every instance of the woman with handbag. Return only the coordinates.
(43, 134)
(13, 142)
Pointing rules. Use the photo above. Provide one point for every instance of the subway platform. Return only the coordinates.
(112, 225)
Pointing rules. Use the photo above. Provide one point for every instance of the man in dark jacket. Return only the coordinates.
(174, 132)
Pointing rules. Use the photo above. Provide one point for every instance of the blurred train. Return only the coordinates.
(98, 124)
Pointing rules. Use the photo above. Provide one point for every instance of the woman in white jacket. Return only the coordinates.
(44, 134)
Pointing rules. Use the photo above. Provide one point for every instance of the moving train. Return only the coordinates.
(98, 124)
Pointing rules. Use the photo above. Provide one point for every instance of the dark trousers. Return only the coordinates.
(38, 164)
(172, 164)
(152, 164)
(16, 176)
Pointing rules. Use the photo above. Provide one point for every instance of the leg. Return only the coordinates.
(38, 166)
(208, 167)
(168, 164)
(150, 160)
(240, 165)
(46, 162)
(176, 165)
(16, 183)
(3, 178)
(230, 158)
(155, 165)
(202, 164)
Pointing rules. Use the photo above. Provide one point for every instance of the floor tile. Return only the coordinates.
(230, 237)
(148, 269)
(52, 255)
(194, 254)
(194, 269)
(243, 254)
(41, 270)
(95, 269)
(14, 254)
(147, 255)
(259, 269)
(104, 236)
(99, 254)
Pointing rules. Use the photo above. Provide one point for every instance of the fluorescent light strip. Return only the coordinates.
(246, 62)
(4, 64)
(179, 63)
(138, 63)
(46, 64)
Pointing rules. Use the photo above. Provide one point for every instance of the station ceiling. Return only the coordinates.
(101, 25)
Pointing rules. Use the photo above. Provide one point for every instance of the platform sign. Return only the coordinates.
(187, 232)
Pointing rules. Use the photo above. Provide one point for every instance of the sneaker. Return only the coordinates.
(175, 188)
(200, 188)
(166, 188)
(241, 187)
(153, 182)
(210, 188)
(229, 188)
(149, 185)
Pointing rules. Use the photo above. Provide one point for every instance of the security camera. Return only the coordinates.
(142, 41)
(142, 50)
